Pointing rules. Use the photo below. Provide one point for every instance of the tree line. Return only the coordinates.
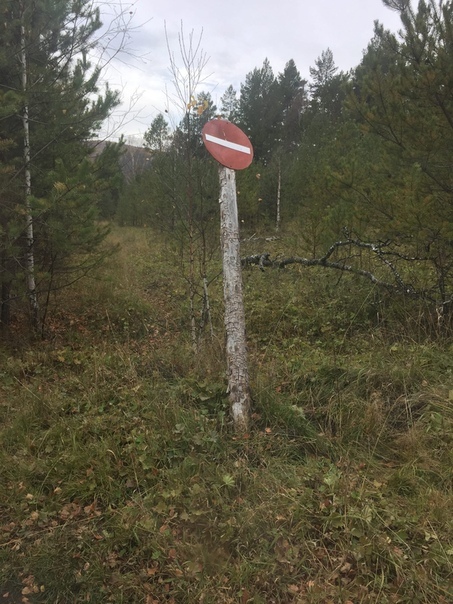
(357, 160)
(362, 156)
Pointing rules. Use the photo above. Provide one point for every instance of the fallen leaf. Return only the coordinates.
(345, 568)
(245, 596)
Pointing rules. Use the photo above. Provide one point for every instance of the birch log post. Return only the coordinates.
(236, 345)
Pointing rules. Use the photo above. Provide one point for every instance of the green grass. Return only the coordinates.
(123, 482)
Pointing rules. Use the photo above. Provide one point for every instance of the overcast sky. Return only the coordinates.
(237, 35)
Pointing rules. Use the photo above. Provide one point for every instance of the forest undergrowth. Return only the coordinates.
(122, 480)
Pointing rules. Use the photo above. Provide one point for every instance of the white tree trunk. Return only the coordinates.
(279, 189)
(29, 255)
(236, 345)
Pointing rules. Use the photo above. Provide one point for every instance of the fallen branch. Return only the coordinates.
(380, 250)
(264, 260)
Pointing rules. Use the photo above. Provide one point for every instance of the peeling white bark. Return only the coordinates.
(29, 255)
(236, 345)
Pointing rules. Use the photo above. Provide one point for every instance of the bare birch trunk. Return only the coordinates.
(191, 282)
(29, 255)
(236, 345)
(279, 189)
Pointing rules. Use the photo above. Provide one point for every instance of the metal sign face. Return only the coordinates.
(227, 144)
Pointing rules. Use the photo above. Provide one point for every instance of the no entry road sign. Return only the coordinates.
(227, 144)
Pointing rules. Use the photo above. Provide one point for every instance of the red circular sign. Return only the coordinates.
(227, 144)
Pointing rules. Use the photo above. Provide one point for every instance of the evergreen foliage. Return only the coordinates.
(64, 111)
(259, 110)
(157, 135)
(364, 154)
(229, 106)
(403, 102)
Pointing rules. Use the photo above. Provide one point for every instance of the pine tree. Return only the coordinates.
(402, 96)
(323, 72)
(46, 74)
(157, 136)
(229, 104)
(327, 86)
(259, 111)
(293, 102)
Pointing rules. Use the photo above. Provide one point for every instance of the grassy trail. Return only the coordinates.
(123, 482)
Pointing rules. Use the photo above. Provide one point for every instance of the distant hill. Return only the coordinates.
(134, 160)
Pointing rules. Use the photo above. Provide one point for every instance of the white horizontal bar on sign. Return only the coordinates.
(229, 144)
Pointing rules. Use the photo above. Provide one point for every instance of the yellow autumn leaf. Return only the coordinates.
(202, 107)
(192, 102)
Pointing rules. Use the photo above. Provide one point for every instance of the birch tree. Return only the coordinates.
(29, 235)
(54, 109)
(194, 108)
